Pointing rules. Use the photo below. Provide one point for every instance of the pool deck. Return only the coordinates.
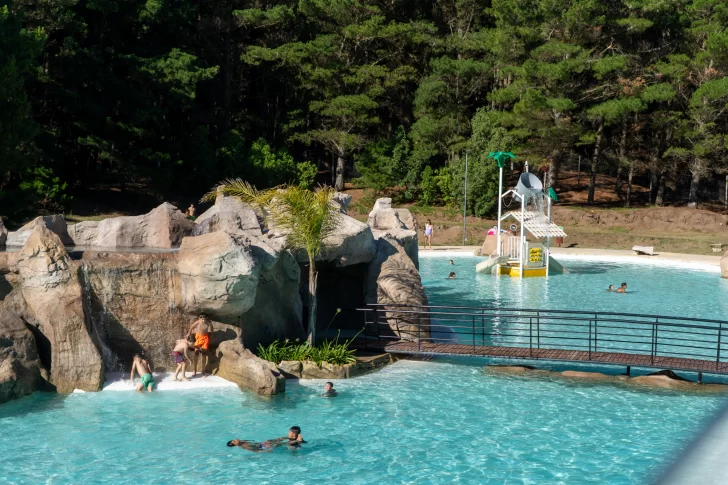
(554, 355)
(603, 254)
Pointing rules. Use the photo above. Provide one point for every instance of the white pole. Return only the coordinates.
(500, 208)
(523, 236)
(465, 204)
(548, 238)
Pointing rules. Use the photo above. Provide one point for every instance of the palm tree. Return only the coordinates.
(306, 217)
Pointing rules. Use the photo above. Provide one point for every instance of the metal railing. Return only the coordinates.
(592, 332)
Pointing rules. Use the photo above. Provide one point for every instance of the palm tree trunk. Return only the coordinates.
(312, 282)
(340, 167)
(595, 164)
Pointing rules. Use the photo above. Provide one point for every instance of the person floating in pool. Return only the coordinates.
(292, 441)
(622, 288)
(611, 288)
(145, 372)
(202, 329)
(451, 276)
(329, 390)
(180, 357)
(452, 262)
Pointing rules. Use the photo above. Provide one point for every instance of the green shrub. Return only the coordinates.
(330, 351)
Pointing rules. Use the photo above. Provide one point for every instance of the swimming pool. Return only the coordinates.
(652, 288)
(413, 422)
(434, 422)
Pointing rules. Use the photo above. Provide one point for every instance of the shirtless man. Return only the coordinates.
(202, 329)
(179, 354)
(190, 212)
(622, 288)
(144, 369)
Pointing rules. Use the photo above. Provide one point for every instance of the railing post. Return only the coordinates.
(538, 330)
(717, 353)
(589, 343)
(419, 338)
(530, 336)
(596, 331)
(654, 343)
(473, 334)
(366, 323)
(482, 328)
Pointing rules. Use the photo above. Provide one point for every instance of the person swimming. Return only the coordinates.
(452, 262)
(293, 440)
(451, 276)
(622, 288)
(329, 390)
(611, 288)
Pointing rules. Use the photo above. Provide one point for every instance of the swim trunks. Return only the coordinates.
(202, 341)
(147, 380)
(178, 357)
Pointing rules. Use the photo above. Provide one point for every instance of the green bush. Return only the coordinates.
(328, 351)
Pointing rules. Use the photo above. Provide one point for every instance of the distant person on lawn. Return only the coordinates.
(145, 372)
(429, 230)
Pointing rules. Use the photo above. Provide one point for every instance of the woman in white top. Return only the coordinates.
(428, 234)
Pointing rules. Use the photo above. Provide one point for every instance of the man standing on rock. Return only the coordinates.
(202, 329)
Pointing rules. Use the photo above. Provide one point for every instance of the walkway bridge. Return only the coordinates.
(620, 339)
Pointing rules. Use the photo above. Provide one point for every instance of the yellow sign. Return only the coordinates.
(535, 255)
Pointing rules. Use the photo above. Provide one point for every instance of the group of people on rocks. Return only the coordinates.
(201, 329)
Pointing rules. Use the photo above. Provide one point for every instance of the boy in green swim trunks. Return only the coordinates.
(144, 369)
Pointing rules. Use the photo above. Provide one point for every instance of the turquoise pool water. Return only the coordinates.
(653, 289)
(414, 422)
(434, 422)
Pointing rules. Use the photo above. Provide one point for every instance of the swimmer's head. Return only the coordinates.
(233, 442)
(624, 285)
(137, 357)
(452, 262)
(294, 432)
(452, 275)
(611, 287)
(329, 386)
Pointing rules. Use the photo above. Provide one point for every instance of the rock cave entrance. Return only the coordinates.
(338, 287)
(43, 344)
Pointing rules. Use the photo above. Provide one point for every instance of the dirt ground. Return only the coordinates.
(607, 225)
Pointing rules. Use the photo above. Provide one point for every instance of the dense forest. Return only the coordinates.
(391, 94)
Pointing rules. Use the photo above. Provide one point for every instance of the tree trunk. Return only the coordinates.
(554, 167)
(595, 164)
(629, 183)
(694, 184)
(660, 196)
(340, 168)
(312, 283)
(653, 186)
(621, 158)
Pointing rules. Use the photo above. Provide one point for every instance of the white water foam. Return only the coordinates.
(118, 381)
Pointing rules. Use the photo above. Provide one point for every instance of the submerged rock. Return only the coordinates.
(163, 227)
(240, 365)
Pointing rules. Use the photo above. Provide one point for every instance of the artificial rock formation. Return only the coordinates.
(55, 223)
(3, 233)
(397, 224)
(49, 296)
(219, 275)
(20, 367)
(240, 365)
(163, 227)
(90, 313)
(724, 265)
